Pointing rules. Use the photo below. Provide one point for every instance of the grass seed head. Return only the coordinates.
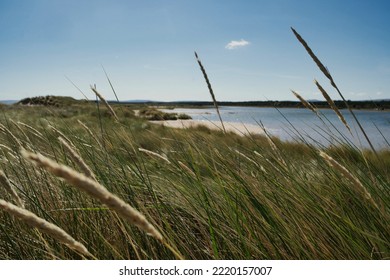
(77, 159)
(332, 105)
(304, 102)
(96, 190)
(347, 174)
(105, 103)
(44, 226)
(10, 189)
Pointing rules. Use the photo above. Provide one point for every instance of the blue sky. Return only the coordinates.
(147, 48)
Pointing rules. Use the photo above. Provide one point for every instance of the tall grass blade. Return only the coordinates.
(86, 98)
(96, 190)
(44, 226)
(105, 102)
(10, 189)
(210, 90)
(304, 102)
(347, 174)
(77, 159)
(109, 81)
(333, 105)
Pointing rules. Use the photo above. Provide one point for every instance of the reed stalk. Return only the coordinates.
(210, 90)
(105, 103)
(347, 174)
(6, 147)
(61, 134)
(14, 138)
(21, 130)
(304, 102)
(34, 131)
(111, 85)
(332, 105)
(96, 190)
(327, 74)
(86, 98)
(93, 136)
(44, 226)
(154, 154)
(10, 189)
(77, 159)
(246, 157)
(187, 169)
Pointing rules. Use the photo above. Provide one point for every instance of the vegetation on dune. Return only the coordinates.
(114, 186)
(49, 100)
(153, 114)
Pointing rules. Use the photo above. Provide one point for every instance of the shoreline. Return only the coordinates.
(235, 127)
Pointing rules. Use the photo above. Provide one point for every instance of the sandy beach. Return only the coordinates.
(236, 127)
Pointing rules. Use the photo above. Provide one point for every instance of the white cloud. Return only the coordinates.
(236, 44)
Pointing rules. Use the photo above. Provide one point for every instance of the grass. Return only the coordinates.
(210, 194)
(153, 114)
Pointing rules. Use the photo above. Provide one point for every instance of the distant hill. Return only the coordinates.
(49, 100)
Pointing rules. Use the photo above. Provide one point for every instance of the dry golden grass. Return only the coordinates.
(6, 147)
(332, 105)
(304, 102)
(77, 159)
(210, 90)
(10, 189)
(95, 190)
(44, 226)
(61, 134)
(153, 154)
(323, 69)
(347, 174)
(32, 129)
(8, 132)
(327, 74)
(93, 136)
(186, 168)
(105, 103)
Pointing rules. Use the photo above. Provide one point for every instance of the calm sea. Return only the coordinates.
(302, 124)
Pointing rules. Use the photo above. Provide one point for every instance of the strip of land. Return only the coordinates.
(236, 127)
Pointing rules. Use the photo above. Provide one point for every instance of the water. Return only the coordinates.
(298, 124)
